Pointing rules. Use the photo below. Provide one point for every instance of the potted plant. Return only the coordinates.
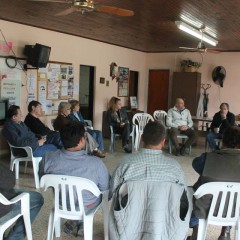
(190, 66)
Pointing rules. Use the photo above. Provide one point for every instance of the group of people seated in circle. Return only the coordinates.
(73, 148)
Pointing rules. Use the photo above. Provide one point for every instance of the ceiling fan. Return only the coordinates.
(84, 6)
(201, 46)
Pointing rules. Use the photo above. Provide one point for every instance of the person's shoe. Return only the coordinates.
(72, 227)
(225, 234)
(177, 151)
(182, 150)
(127, 149)
(99, 154)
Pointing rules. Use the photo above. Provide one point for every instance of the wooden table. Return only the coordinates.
(205, 122)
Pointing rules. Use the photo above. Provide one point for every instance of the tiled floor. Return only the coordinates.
(41, 223)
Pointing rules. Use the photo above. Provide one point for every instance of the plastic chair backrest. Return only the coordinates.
(160, 116)
(23, 198)
(141, 119)
(69, 189)
(26, 157)
(230, 200)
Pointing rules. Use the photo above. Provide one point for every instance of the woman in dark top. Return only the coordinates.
(118, 119)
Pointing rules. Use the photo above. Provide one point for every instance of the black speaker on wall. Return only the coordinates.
(37, 55)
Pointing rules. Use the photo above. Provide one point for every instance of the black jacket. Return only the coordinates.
(222, 123)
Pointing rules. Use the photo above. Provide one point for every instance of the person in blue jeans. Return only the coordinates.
(7, 179)
(18, 134)
(77, 116)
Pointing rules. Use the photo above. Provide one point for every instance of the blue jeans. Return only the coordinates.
(41, 150)
(18, 230)
(55, 139)
(211, 140)
(97, 135)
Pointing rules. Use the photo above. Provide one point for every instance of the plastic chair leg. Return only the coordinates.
(17, 170)
(57, 226)
(50, 226)
(88, 227)
(202, 229)
(35, 172)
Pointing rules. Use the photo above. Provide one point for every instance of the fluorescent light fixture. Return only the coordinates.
(196, 33)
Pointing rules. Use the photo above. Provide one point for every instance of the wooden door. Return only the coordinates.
(158, 90)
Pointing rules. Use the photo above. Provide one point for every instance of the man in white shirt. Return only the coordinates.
(180, 121)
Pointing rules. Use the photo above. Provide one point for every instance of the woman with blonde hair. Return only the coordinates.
(63, 118)
(118, 119)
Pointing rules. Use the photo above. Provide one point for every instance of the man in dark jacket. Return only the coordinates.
(38, 127)
(7, 180)
(18, 134)
(221, 120)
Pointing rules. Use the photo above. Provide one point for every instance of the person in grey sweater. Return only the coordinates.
(180, 121)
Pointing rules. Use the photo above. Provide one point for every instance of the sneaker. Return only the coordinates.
(99, 154)
(127, 149)
(177, 151)
(182, 150)
(72, 227)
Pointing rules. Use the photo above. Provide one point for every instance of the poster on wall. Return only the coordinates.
(11, 85)
(11, 89)
(123, 81)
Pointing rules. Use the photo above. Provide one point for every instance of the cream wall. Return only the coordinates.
(76, 50)
(231, 61)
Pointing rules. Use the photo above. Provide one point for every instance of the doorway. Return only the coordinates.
(158, 85)
(86, 91)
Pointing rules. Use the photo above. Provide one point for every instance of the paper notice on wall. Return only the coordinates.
(31, 87)
(42, 93)
(64, 89)
(49, 107)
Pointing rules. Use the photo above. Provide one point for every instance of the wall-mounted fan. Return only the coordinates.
(89, 6)
(201, 46)
(218, 75)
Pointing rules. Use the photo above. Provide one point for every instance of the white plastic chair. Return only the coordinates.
(139, 122)
(160, 116)
(25, 212)
(69, 187)
(16, 159)
(230, 200)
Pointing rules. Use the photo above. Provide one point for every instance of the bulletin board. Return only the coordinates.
(55, 83)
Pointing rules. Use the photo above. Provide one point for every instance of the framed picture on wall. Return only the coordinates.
(123, 81)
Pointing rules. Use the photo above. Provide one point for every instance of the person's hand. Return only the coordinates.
(122, 124)
(41, 141)
(183, 128)
(223, 115)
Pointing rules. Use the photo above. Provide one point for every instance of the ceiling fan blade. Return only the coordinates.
(116, 11)
(53, 1)
(189, 48)
(66, 11)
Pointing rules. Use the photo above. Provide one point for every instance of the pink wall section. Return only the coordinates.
(230, 92)
(67, 48)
